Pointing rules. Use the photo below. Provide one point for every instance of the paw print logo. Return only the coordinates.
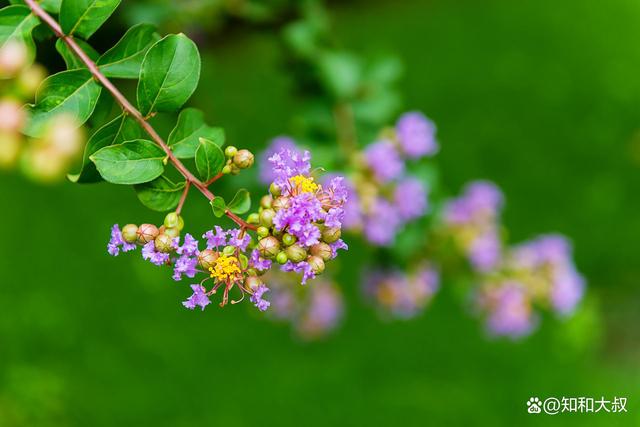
(533, 405)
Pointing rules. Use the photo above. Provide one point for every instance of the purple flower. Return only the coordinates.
(416, 134)
(384, 161)
(323, 313)
(485, 251)
(302, 267)
(185, 265)
(381, 223)
(117, 242)
(289, 163)
(410, 198)
(510, 313)
(155, 257)
(189, 246)
(214, 240)
(352, 210)
(267, 175)
(481, 200)
(239, 238)
(567, 291)
(198, 298)
(338, 244)
(299, 218)
(258, 301)
(259, 263)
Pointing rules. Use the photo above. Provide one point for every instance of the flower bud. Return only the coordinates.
(266, 217)
(253, 272)
(172, 220)
(43, 163)
(266, 201)
(321, 250)
(207, 258)
(281, 258)
(230, 151)
(13, 57)
(30, 78)
(253, 218)
(243, 159)
(229, 250)
(316, 263)
(164, 243)
(234, 169)
(252, 283)
(288, 239)
(173, 232)
(180, 223)
(226, 170)
(147, 233)
(281, 202)
(9, 149)
(269, 247)
(296, 253)
(65, 135)
(275, 190)
(331, 234)
(12, 116)
(262, 232)
(130, 233)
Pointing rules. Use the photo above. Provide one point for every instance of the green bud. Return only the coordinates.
(288, 239)
(266, 201)
(296, 253)
(266, 217)
(262, 232)
(281, 258)
(269, 247)
(235, 170)
(130, 233)
(243, 159)
(147, 233)
(172, 232)
(226, 170)
(321, 250)
(230, 151)
(252, 283)
(229, 250)
(207, 258)
(316, 263)
(164, 243)
(172, 220)
(244, 261)
(180, 223)
(281, 202)
(253, 272)
(253, 218)
(275, 190)
(332, 234)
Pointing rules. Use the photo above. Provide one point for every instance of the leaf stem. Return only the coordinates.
(214, 179)
(183, 198)
(127, 106)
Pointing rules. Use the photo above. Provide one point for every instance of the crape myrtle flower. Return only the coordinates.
(402, 295)
(267, 174)
(508, 308)
(410, 197)
(416, 135)
(385, 162)
(117, 243)
(199, 298)
(257, 300)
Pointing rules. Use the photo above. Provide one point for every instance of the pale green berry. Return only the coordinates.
(130, 233)
(288, 239)
(321, 250)
(281, 258)
(296, 253)
(262, 232)
(230, 151)
(164, 243)
(316, 263)
(229, 250)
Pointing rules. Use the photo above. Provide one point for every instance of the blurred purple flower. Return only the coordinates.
(384, 161)
(416, 134)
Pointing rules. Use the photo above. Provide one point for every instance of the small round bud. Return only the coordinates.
(288, 239)
(269, 247)
(172, 220)
(12, 116)
(266, 201)
(30, 78)
(14, 56)
(253, 218)
(10, 144)
(252, 282)
(229, 250)
(65, 136)
(180, 223)
(280, 203)
(262, 232)
(296, 253)
(275, 190)
(331, 234)
(316, 263)
(147, 233)
(230, 151)
(226, 170)
(243, 159)
(266, 217)
(321, 250)
(207, 258)
(172, 232)
(130, 233)
(164, 243)
(282, 258)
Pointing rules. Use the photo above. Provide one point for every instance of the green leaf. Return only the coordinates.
(125, 58)
(184, 138)
(70, 59)
(161, 194)
(209, 159)
(72, 92)
(120, 129)
(341, 73)
(241, 202)
(84, 17)
(132, 162)
(17, 23)
(169, 75)
(51, 6)
(219, 206)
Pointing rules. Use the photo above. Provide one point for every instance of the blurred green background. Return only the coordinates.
(540, 96)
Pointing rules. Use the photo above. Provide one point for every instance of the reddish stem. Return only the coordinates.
(214, 179)
(183, 197)
(126, 105)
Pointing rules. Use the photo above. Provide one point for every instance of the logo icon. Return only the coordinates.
(533, 405)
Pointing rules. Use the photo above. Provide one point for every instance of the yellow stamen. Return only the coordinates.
(304, 184)
(225, 267)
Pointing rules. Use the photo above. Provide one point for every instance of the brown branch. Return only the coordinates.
(183, 197)
(214, 179)
(126, 105)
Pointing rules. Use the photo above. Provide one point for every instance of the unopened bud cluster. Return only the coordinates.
(237, 160)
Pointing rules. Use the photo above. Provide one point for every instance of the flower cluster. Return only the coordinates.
(300, 221)
(313, 314)
(402, 295)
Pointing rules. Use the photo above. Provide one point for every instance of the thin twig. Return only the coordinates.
(126, 105)
(345, 128)
(214, 179)
(183, 197)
